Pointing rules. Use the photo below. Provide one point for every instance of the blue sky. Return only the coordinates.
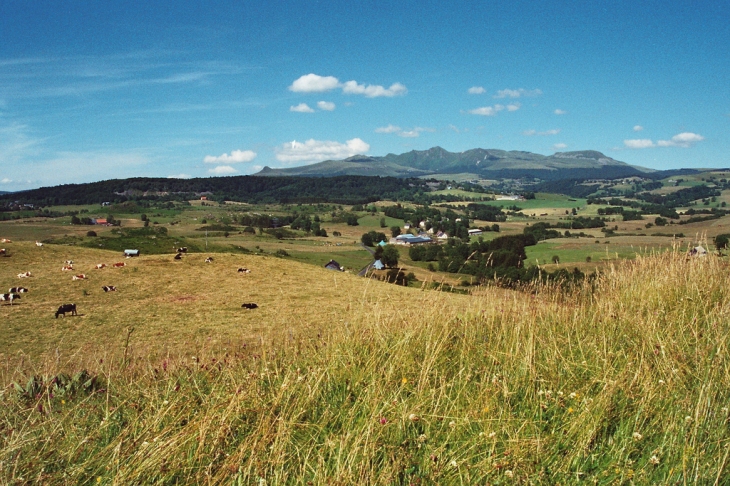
(93, 90)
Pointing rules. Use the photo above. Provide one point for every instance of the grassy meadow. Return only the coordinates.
(336, 379)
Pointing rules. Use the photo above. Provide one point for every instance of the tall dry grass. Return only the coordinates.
(622, 380)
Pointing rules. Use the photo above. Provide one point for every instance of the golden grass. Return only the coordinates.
(624, 380)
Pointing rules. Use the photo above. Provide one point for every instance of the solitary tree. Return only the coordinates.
(390, 256)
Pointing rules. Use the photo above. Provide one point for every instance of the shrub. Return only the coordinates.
(91, 233)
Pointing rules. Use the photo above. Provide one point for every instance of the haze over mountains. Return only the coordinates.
(487, 163)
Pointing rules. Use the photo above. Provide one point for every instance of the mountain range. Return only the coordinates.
(486, 163)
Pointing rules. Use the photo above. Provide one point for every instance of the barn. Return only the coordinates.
(131, 253)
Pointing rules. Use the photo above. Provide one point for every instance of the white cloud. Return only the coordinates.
(513, 107)
(180, 176)
(531, 133)
(312, 83)
(223, 170)
(301, 108)
(388, 129)
(318, 150)
(684, 139)
(638, 128)
(517, 93)
(373, 91)
(6, 181)
(326, 105)
(415, 132)
(487, 110)
(559, 146)
(237, 156)
(476, 90)
(641, 143)
(454, 128)
(558, 111)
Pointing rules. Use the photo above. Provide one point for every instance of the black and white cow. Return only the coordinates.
(250, 305)
(17, 290)
(109, 288)
(62, 310)
(209, 260)
(244, 270)
(9, 298)
(177, 256)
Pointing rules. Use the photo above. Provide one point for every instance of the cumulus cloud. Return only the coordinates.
(517, 93)
(513, 107)
(558, 111)
(373, 91)
(326, 105)
(180, 176)
(301, 108)
(531, 133)
(640, 143)
(638, 128)
(319, 150)
(476, 90)
(235, 157)
(559, 146)
(6, 181)
(223, 170)
(388, 129)
(487, 110)
(413, 133)
(312, 83)
(684, 139)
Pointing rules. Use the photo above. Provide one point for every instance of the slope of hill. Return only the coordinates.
(336, 379)
(491, 163)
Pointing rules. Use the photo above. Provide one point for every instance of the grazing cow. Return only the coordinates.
(109, 288)
(9, 297)
(24, 275)
(244, 270)
(183, 249)
(3, 251)
(250, 305)
(178, 257)
(79, 277)
(209, 260)
(67, 268)
(38, 244)
(66, 308)
(5, 240)
(119, 265)
(17, 290)
(99, 266)
(68, 262)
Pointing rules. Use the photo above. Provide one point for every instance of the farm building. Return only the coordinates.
(408, 239)
(131, 253)
(333, 265)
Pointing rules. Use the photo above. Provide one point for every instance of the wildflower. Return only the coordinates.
(540, 393)
(570, 409)
(453, 463)
(492, 435)
(413, 417)
(452, 424)
(509, 473)
(404, 380)
(637, 436)
(560, 394)
(654, 460)
(98, 479)
(422, 438)
(573, 396)
(661, 382)
(383, 420)
(688, 419)
(485, 410)
(165, 402)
